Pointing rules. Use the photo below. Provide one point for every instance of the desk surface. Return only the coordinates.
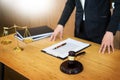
(36, 65)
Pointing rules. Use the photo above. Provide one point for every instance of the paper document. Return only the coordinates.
(61, 49)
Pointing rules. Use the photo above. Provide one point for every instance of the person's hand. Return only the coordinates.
(57, 31)
(107, 43)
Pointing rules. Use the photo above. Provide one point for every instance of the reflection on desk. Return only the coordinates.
(36, 65)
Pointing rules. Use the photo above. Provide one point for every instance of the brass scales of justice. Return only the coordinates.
(6, 41)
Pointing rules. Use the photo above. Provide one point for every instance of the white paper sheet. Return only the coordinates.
(62, 51)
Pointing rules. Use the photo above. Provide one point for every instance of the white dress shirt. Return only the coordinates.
(83, 4)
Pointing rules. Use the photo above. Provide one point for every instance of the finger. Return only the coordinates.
(54, 37)
(104, 48)
(108, 49)
(51, 37)
(101, 48)
(112, 47)
(61, 35)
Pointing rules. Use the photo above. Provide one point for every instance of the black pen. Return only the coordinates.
(59, 46)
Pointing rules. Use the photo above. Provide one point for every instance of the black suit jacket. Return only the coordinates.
(98, 18)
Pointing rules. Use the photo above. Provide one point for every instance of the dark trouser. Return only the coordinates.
(84, 35)
(1, 71)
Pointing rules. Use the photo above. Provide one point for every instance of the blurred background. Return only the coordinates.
(33, 13)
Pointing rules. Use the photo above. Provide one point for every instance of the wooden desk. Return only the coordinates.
(35, 65)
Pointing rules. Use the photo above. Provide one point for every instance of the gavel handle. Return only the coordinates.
(80, 53)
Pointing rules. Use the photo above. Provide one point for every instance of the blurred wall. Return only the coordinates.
(9, 17)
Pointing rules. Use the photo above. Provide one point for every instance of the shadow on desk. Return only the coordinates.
(10, 74)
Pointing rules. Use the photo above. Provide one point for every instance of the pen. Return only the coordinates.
(81, 53)
(59, 46)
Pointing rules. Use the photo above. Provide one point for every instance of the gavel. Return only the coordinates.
(72, 66)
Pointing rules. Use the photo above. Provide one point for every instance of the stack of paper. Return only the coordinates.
(36, 33)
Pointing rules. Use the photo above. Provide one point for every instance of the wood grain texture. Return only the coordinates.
(36, 65)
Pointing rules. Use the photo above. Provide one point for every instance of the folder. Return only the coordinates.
(36, 33)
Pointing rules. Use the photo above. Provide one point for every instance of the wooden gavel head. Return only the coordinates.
(71, 66)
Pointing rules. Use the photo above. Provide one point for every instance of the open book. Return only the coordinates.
(61, 49)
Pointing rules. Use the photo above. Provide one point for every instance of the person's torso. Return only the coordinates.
(97, 16)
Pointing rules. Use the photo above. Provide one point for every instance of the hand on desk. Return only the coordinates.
(57, 31)
(107, 43)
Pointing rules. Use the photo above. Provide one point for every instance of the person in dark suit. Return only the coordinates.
(93, 21)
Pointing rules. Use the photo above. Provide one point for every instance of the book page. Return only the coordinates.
(61, 51)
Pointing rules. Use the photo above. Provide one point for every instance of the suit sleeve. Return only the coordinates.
(115, 18)
(68, 9)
